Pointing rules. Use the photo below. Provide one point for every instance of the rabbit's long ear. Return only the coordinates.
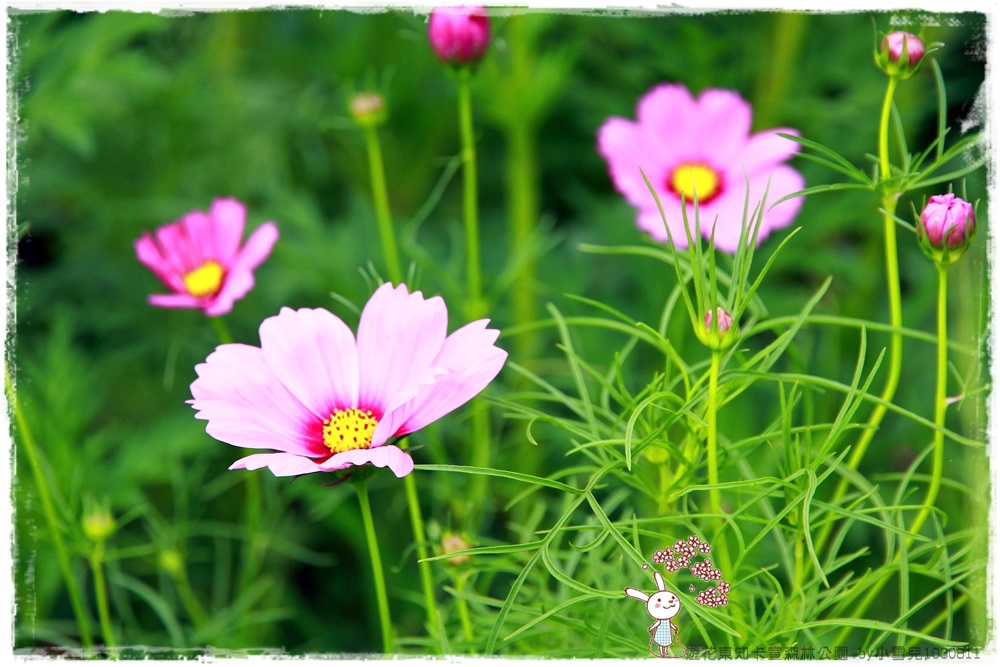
(659, 581)
(637, 594)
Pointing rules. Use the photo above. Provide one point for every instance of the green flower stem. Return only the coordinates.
(940, 404)
(380, 196)
(62, 554)
(889, 200)
(220, 327)
(188, 599)
(426, 576)
(463, 606)
(101, 595)
(471, 198)
(376, 558)
(252, 546)
(714, 501)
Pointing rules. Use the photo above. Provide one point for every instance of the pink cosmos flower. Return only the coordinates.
(459, 35)
(686, 145)
(914, 51)
(200, 259)
(323, 400)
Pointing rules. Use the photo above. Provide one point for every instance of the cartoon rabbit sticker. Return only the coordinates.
(662, 606)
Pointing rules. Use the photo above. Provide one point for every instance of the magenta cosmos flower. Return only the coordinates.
(323, 400)
(686, 145)
(947, 221)
(459, 35)
(200, 259)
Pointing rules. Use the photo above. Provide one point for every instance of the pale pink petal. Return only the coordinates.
(176, 301)
(282, 465)
(622, 144)
(399, 335)
(229, 218)
(723, 125)
(651, 222)
(314, 354)
(239, 279)
(149, 254)
(767, 149)
(175, 248)
(729, 206)
(247, 405)
(667, 113)
(389, 456)
(472, 361)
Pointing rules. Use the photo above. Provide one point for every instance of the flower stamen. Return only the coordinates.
(695, 177)
(205, 280)
(349, 429)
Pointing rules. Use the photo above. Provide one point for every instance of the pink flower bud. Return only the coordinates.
(894, 43)
(459, 35)
(725, 320)
(947, 221)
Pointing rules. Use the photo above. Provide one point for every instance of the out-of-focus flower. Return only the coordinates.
(368, 109)
(946, 227)
(700, 147)
(98, 522)
(200, 259)
(900, 54)
(451, 543)
(325, 400)
(459, 35)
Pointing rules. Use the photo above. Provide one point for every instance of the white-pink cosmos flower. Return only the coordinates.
(200, 259)
(323, 400)
(686, 146)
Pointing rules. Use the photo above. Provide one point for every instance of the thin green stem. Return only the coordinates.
(463, 606)
(219, 324)
(426, 576)
(48, 508)
(940, 400)
(252, 546)
(471, 204)
(101, 595)
(380, 196)
(376, 558)
(714, 500)
(889, 200)
(189, 600)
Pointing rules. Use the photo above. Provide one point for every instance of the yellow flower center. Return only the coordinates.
(205, 280)
(693, 177)
(349, 429)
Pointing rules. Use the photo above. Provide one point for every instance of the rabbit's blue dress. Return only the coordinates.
(662, 636)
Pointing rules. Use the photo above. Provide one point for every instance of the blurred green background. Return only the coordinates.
(126, 121)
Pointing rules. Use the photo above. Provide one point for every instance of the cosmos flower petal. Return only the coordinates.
(473, 362)
(778, 182)
(767, 149)
(230, 218)
(399, 335)
(247, 405)
(651, 222)
(388, 456)
(314, 354)
(239, 280)
(723, 125)
(620, 142)
(666, 114)
(174, 301)
(281, 464)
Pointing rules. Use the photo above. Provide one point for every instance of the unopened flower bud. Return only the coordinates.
(368, 109)
(98, 524)
(904, 47)
(451, 543)
(172, 562)
(901, 53)
(459, 35)
(945, 227)
(725, 320)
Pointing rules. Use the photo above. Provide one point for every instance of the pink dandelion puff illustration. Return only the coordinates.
(700, 147)
(200, 259)
(322, 400)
